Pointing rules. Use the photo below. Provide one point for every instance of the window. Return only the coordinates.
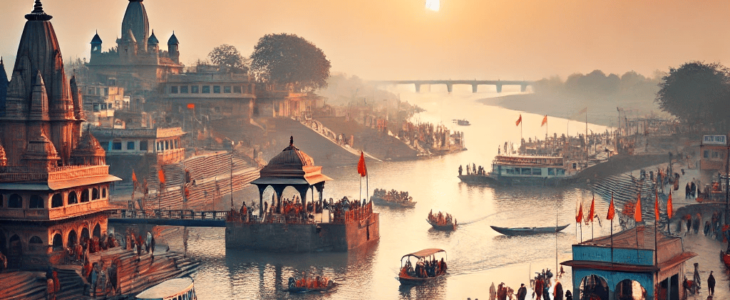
(57, 242)
(510, 171)
(551, 171)
(72, 198)
(173, 89)
(176, 146)
(95, 194)
(706, 154)
(217, 89)
(85, 196)
(117, 146)
(130, 145)
(561, 172)
(35, 244)
(184, 89)
(96, 107)
(206, 89)
(227, 89)
(56, 200)
(536, 171)
(103, 193)
(36, 202)
(15, 201)
(526, 171)
(237, 89)
(91, 91)
(575, 166)
(194, 89)
(143, 145)
(167, 145)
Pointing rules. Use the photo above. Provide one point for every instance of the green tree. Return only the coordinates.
(227, 56)
(291, 60)
(696, 93)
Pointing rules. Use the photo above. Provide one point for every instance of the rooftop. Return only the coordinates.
(109, 133)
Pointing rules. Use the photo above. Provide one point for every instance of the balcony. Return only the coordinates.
(57, 213)
(171, 156)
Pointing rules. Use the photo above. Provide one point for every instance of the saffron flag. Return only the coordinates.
(191, 105)
(669, 205)
(361, 168)
(656, 206)
(637, 210)
(593, 210)
(134, 177)
(519, 121)
(579, 217)
(544, 121)
(611, 210)
(161, 175)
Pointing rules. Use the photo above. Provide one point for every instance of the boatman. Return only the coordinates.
(460, 170)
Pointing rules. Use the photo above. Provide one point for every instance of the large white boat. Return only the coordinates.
(544, 170)
(173, 289)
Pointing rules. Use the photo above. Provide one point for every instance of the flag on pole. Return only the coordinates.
(544, 121)
(611, 210)
(637, 210)
(669, 206)
(361, 168)
(519, 121)
(579, 217)
(134, 177)
(161, 176)
(656, 206)
(593, 210)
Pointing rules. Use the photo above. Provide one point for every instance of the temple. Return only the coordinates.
(54, 181)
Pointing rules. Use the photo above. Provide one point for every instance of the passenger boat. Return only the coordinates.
(293, 288)
(172, 289)
(528, 230)
(725, 258)
(524, 169)
(384, 198)
(407, 273)
(447, 227)
(462, 122)
(382, 202)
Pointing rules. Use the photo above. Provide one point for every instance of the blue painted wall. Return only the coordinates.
(623, 256)
(613, 278)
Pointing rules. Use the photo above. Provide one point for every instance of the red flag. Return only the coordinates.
(161, 175)
(134, 177)
(637, 210)
(669, 206)
(191, 105)
(656, 205)
(519, 121)
(544, 121)
(611, 210)
(361, 169)
(579, 217)
(593, 211)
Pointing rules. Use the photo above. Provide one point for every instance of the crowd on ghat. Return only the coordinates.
(441, 219)
(291, 211)
(392, 195)
(425, 267)
(78, 252)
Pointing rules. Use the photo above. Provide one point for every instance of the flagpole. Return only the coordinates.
(612, 228)
(592, 214)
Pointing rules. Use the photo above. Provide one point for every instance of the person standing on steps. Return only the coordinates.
(711, 284)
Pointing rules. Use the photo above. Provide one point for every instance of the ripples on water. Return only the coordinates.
(477, 255)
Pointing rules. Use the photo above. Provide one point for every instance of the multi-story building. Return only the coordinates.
(211, 91)
(54, 181)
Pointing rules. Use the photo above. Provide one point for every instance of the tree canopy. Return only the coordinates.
(228, 56)
(696, 92)
(291, 60)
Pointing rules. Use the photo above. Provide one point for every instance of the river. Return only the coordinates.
(477, 255)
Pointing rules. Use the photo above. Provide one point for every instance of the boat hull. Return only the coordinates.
(528, 230)
(302, 290)
(504, 180)
(416, 281)
(449, 227)
(381, 202)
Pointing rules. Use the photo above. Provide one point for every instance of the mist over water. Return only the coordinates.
(477, 255)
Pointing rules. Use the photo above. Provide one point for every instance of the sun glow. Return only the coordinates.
(433, 4)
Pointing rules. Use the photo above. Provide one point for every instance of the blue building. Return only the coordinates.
(625, 266)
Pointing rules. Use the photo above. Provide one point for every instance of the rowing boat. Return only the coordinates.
(528, 230)
(447, 227)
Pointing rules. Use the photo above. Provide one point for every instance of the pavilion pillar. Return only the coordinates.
(302, 189)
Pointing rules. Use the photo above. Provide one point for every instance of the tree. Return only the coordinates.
(695, 93)
(227, 56)
(291, 60)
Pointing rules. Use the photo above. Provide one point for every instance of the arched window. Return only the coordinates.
(57, 200)
(72, 198)
(103, 193)
(15, 201)
(95, 194)
(36, 202)
(97, 231)
(57, 242)
(85, 196)
(71, 239)
(35, 244)
(16, 248)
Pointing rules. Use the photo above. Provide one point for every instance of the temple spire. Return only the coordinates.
(38, 14)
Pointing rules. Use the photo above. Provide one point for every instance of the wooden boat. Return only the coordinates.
(528, 230)
(331, 285)
(178, 288)
(382, 202)
(725, 258)
(424, 254)
(462, 122)
(447, 227)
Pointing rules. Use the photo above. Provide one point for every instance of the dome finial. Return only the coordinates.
(291, 140)
(38, 14)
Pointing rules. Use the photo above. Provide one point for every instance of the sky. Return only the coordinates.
(402, 39)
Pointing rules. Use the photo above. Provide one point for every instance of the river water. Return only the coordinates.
(477, 255)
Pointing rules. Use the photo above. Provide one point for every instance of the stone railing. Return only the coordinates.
(74, 172)
(171, 156)
(55, 213)
(169, 132)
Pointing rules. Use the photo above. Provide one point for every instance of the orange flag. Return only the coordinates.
(519, 121)
(611, 210)
(579, 217)
(637, 210)
(134, 177)
(669, 206)
(161, 175)
(544, 121)
(656, 206)
(361, 169)
(593, 210)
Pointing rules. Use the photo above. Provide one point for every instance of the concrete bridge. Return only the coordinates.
(189, 218)
(450, 83)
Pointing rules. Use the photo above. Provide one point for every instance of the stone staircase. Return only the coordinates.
(625, 188)
(22, 285)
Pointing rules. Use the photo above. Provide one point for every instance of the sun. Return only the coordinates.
(433, 4)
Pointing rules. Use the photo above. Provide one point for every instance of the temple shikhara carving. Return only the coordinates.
(54, 181)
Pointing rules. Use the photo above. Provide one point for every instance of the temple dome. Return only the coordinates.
(153, 39)
(40, 148)
(135, 19)
(89, 151)
(290, 157)
(96, 39)
(173, 40)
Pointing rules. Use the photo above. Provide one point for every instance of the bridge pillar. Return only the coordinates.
(418, 87)
(499, 88)
(523, 87)
(449, 87)
(474, 88)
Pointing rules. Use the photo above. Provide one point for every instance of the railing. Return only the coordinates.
(358, 214)
(171, 156)
(55, 213)
(170, 214)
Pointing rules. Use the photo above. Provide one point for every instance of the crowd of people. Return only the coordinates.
(473, 170)
(309, 283)
(424, 268)
(99, 277)
(76, 253)
(441, 219)
(392, 195)
(140, 242)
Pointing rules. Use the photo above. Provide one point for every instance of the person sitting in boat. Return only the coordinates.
(442, 266)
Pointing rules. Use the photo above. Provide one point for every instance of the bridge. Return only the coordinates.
(450, 83)
(189, 218)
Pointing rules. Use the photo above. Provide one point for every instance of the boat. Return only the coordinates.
(524, 169)
(528, 230)
(172, 289)
(382, 198)
(462, 122)
(447, 227)
(407, 273)
(725, 258)
(293, 288)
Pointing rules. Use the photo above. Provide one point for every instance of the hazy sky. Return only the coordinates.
(401, 39)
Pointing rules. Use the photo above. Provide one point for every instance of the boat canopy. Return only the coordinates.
(167, 289)
(425, 253)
